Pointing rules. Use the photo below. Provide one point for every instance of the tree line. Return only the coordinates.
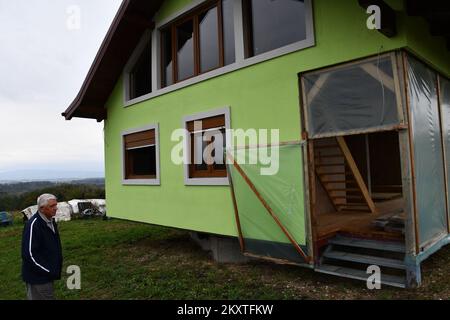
(64, 192)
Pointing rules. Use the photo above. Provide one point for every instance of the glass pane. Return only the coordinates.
(199, 146)
(228, 31)
(428, 156)
(357, 97)
(276, 24)
(143, 161)
(141, 74)
(209, 40)
(445, 112)
(166, 44)
(185, 48)
(219, 148)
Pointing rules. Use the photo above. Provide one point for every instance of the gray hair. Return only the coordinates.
(43, 199)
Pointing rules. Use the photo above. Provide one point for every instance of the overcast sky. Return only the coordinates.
(44, 57)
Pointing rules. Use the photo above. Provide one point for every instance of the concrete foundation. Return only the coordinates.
(223, 249)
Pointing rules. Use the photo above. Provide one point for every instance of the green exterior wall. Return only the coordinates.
(265, 95)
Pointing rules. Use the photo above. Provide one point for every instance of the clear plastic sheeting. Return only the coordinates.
(445, 120)
(281, 185)
(355, 98)
(428, 156)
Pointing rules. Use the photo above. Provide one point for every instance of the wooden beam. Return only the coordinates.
(379, 75)
(317, 86)
(268, 208)
(354, 168)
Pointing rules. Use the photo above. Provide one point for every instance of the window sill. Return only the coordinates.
(206, 182)
(141, 182)
(224, 70)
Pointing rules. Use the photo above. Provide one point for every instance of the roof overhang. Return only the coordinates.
(133, 18)
(435, 12)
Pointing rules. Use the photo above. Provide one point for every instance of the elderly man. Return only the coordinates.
(41, 251)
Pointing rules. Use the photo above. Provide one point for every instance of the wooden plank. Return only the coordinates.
(359, 180)
(317, 87)
(268, 208)
(379, 75)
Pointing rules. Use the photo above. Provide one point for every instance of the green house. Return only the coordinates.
(311, 132)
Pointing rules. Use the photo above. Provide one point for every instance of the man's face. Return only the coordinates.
(50, 209)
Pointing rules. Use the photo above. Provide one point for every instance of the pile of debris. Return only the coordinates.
(393, 222)
(73, 209)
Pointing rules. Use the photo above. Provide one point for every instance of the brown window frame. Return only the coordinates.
(219, 122)
(194, 16)
(133, 141)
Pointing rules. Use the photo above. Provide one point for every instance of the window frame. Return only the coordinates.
(193, 16)
(143, 42)
(239, 47)
(225, 111)
(152, 181)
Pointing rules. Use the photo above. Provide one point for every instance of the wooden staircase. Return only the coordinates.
(350, 257)
(339, 175)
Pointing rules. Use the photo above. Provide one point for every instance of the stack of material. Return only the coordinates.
(392, 222)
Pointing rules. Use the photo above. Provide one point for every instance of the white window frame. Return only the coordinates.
(187, 147)
(145, 39)
(156, 181)
(240, 62)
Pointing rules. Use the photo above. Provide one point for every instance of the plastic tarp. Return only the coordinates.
(359, 98)
(445, 119)
(428, 156)
(282, 187)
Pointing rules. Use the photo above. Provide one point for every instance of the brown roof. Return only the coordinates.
(128, 26)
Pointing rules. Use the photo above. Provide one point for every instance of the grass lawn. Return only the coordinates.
(125, 260)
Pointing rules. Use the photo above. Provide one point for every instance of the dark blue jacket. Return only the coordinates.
(41, 252)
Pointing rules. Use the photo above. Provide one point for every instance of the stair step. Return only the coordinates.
(367, 209)
(353, 204)
(342, 189)
(371, 260)
(326, 146)
(369, 244)
(328, 164)
(338, 181)
(390, 280)
(331, 173)
(353, 197)
(329, 156)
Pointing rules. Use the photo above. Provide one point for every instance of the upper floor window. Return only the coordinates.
(197, 43)
(138, 72)
(272, 24)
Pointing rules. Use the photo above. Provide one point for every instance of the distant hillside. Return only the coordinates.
(20, 195)
(21, 187)
(46, 175)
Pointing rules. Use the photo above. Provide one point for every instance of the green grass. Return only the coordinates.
(126, 260)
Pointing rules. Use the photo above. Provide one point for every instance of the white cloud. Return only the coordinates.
(43, 66)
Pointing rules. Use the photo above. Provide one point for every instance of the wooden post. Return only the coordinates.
(353, 167)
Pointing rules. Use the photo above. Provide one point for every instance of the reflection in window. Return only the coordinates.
(228, 31)
(208, 143)
(167, 61)
(204, 41)
(185, 48)
(209, 41)
(272, 24)
(140, 76)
